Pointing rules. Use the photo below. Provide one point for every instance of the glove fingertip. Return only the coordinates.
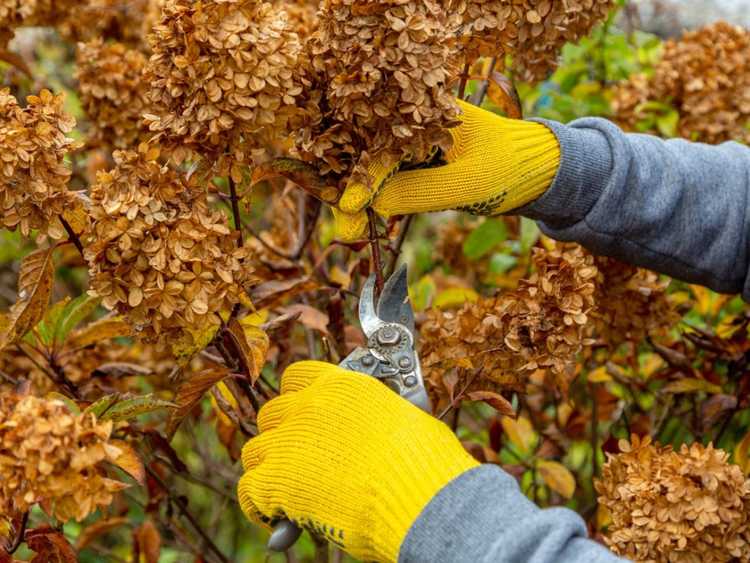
(355, 198)
(350, 227)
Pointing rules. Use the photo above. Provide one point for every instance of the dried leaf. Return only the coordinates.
(191, 392)
(101, 329)
(557, 477)
(742, 454)
(495, 400)
(252, 344)
(97, 529)
(520, 433)
(502, 92)
(308, 316)
(301, 174)
(272, 292)
(691, 385)
(147, 543)
(35, 282)
(50, 546)
(128, 460)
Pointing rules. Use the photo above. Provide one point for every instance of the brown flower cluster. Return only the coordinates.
(381, 81)
(51, 457)
(33, 174)
(302, 15)
(125, 22)
(532, 32)
(705, 75)
(221, 78)
(113, 92)
(692, 506)
(631, 303)
(540, 325)
(159, 255)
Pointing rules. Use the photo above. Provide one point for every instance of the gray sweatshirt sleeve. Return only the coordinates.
(482, 517)
(676, 207)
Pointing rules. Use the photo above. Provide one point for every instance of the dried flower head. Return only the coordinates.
(532, 32)
(691, 506)
(113, 92)
(541, 325)
(159, 255)
(705, 76)
(380, 83)
(120, 21)
(33, 175)
(302, 16)
(221, 79)
(51, 457)
(631, 303)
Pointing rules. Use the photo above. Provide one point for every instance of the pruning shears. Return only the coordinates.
(390, 356)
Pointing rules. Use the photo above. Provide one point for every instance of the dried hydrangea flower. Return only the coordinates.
(667, 506)
(116, 20)
(33, 174)
(113, 92)
(302, 16)
(221, 80)
(51, 457)
(532, 32)
(381, 83)
(540, 325)
(631, 303)
(159, 255)
(706, 77)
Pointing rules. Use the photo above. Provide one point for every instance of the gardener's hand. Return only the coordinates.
(343, 455)
(496, 165)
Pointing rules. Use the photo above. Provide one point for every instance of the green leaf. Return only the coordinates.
(48, 325)
(71, 404)
(667, 123)
(501, 263)
(691, 385)
(484, 238)
(136, 406)
(529, 234)
(102, 405)
(78, 309)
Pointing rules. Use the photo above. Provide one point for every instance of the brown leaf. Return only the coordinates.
(495, 400)
(715, 407)
(35, 282)
(98, 528)
(14, 59)
(502, 92)
(272, 292)
(102, 329)
(146, 543)
(252, 344)
(128, 460)
(557, 477)
(520, 433)
(190, 393)
(691, 385)
(308, 316)
(120, 369)
(50, 546)
(742, 454)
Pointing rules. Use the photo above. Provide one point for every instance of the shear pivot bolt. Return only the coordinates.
(368, 361)
(388, 335)
(410, 381)
(405, 363)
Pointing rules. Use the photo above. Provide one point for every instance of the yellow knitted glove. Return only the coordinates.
(495, 165)
(347, 458)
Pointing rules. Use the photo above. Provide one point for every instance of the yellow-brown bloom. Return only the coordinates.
(541, 325)
(381, 83)
(532, 32)
(221, 78)
(159, 254)
(705, 76)
(113, 92)
(51, 457)
(33, 174)
(691, 506)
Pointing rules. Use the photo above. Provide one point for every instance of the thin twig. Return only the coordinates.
(464, 80)
(396, 249)
(265, 243)
(181, 505)
(72, 236)
(309, 228)
(236, 211)
(478, 98)
(377, 266)
(227, 409)
(459, 397)
(594, 431)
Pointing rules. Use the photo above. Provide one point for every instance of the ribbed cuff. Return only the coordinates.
(585, 166)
